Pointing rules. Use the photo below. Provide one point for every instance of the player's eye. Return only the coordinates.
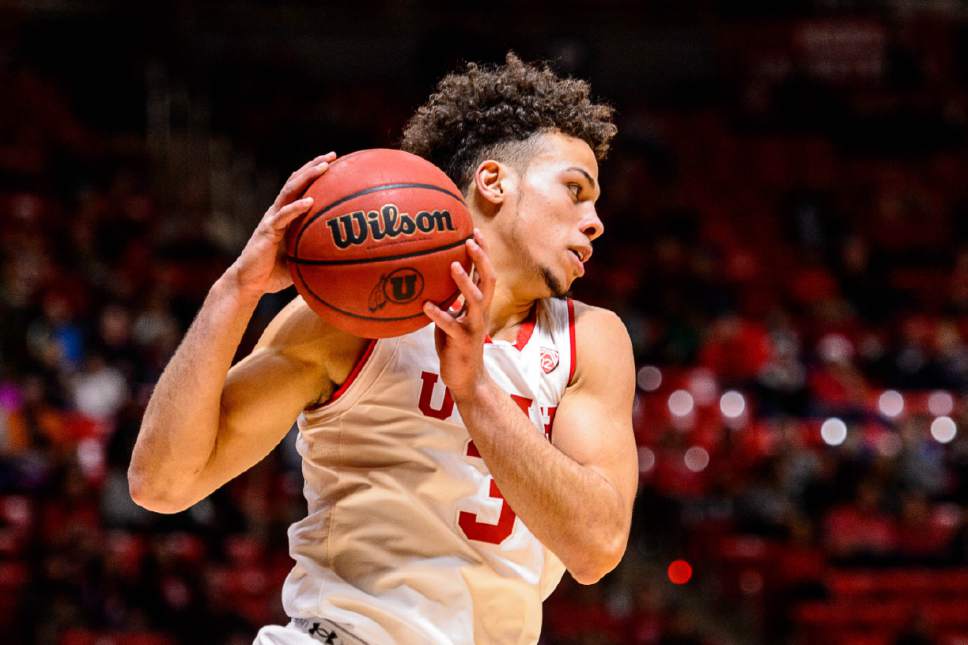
(575, 190)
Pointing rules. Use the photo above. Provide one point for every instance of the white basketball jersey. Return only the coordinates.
(408, 539)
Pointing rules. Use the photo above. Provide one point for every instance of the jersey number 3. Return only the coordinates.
(468, 522)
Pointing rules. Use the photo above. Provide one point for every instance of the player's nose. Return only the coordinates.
(591, 225)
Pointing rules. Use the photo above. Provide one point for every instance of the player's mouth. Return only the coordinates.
(580, 255)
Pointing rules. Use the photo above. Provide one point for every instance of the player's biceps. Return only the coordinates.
(248, 431)
(576, 428)
(258, 399)
(594, 434)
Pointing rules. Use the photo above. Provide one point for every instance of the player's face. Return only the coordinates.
(556, 220)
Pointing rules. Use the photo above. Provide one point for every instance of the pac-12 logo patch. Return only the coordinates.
(549, 360)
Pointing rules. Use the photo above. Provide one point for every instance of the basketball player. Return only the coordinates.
(454, 473)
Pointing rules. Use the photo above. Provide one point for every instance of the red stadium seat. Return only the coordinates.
(11, 543)
(13, 576)
(899, 582)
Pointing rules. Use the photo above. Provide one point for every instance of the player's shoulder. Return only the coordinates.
(601, 339)
(592, 320)
(299, 332)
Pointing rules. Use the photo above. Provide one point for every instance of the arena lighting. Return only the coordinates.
(732, 404)
(941, 403)
(890, 403)
(681, 403)
(649, 378)
(646, 459)
(696, 458)
(943, 429)
(833, 431)
(679, 572)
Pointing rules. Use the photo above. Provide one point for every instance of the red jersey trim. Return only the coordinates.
(525, 331)
(360, 362)
(571, 339)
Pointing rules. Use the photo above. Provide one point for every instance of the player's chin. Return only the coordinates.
(566, 288)
(558, 285)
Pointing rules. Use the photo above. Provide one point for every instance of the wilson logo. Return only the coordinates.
(399, 287)
(357, 227)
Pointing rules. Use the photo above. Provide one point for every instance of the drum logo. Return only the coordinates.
(399, 287)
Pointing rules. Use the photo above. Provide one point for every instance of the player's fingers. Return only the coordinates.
(299, 182)
(479, 238)
(329, 156)
(281, 218)
(444, 321)
(315, 161)
(472, 295)
(485, 270)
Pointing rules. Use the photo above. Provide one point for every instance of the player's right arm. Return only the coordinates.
(205, 423)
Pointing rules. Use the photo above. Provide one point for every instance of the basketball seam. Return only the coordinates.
(385, 258)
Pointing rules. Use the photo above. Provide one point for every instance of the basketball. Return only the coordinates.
(378, 242)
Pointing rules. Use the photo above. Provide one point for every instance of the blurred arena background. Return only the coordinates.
(787, 239)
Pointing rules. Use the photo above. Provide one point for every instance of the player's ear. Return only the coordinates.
(489, 179)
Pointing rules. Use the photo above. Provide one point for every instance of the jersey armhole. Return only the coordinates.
(348, 381)
(573, 354)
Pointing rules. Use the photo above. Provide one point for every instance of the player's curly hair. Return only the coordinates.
(476, 113)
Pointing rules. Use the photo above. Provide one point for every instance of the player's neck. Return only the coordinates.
(508, 310)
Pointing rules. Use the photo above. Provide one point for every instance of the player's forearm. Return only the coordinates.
(571, 509)
(181, 423)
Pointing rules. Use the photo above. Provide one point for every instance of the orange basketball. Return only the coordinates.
(378, 242)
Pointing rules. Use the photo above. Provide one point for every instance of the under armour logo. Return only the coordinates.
(317, 632)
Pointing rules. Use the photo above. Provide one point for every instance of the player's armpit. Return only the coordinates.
(298, 360)
(593, 424)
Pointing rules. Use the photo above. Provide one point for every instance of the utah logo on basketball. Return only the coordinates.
(549, 360)
(399, 287)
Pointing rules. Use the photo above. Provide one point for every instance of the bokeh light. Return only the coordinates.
(732, 404)
(703, 386)
(696, 458)
(679, 572)
(646, 459)
(890, 403)
(649, 378)
(681, 403)
(941, 403)
(833, 431)
(944, 429)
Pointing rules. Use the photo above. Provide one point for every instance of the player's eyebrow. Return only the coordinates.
(591, 180)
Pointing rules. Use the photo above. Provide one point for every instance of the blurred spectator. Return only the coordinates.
(859, 530)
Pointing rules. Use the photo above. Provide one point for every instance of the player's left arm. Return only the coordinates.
(593, 432)
(575, 493)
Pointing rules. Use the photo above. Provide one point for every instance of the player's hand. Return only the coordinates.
(261, 267)
(460, 335)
